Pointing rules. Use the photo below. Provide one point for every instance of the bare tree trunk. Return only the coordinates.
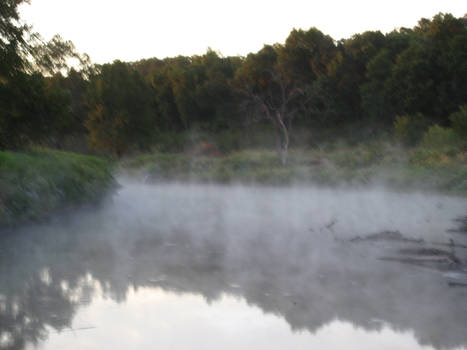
(282, 129)
(283, 155)
(281, 146)
(278, 143)
(277, 115)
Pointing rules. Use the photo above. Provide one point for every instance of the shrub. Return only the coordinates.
(170, 142)
(36, 183)
(409, 129)
(442, 139)
(428, 157)
(459, 123)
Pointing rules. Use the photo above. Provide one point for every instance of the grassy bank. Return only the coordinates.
(37, 183)
(376, 164)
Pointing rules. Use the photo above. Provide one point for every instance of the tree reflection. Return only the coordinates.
(48, 272)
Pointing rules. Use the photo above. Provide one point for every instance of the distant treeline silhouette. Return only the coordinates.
(355, 88)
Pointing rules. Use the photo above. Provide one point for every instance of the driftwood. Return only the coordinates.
(437, 259)
(386, 236)
(397, 236)
(462, 228)
(423, 255)
(331, 224)
(450, 244)
(432, 254)
(456, 278)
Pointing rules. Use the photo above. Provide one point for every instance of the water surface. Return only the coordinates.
(202, 266)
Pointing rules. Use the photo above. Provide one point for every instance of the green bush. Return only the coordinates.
(170, 142)
(428, 157)
(419, 168)
(409, 129)
(442, 139)
(357, 157)
(228, 141)
(36, 183)
(459, 123)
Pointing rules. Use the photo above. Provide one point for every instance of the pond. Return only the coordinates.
(189, 266)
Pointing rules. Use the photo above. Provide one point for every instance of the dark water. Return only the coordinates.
(214, 267)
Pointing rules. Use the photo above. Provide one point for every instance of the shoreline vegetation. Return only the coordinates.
(359, 166)
(37, 183)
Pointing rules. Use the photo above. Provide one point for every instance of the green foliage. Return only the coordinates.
(192, 92)
(357, 157)
(306, 54)
(120, 110)
(22, 50)
(422, 156)
(31, 111)
(12, 39)
(412, 84)
(459, 123)
(374, 93)
(311, 89)
(250, 166)
(36, 183)
(429, 76)
(409, 129)
(443, 139)
(373, 163)
(346, 73)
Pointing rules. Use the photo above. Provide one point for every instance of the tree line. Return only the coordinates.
(360, 87)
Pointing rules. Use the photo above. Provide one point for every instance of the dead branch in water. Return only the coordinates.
(386, 235)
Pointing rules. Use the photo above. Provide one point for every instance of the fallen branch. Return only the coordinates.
(386, 235)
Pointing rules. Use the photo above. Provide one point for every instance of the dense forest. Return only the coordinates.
(303, 92)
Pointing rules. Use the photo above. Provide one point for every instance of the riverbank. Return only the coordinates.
(377, 164)
(34, 184)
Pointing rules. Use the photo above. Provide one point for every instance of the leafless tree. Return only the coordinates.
(280, 103)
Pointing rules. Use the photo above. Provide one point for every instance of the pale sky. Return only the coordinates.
(131, 30)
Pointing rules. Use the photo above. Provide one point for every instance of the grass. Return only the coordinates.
(377, 163)
(36, 183)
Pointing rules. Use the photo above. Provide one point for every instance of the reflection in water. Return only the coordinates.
(241, 249)
(186, 321)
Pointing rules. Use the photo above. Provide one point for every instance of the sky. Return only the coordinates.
(131, 30)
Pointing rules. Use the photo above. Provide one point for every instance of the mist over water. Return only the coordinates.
(211, 263)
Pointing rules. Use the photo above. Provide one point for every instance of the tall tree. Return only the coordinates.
(347, 74)
(13, 45)
(32, 109)
(429, 77)
(306, 58)
(376, 95)
(269, 93)
(306, 55)
(121, 115)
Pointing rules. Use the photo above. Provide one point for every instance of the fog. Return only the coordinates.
(286, 251)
